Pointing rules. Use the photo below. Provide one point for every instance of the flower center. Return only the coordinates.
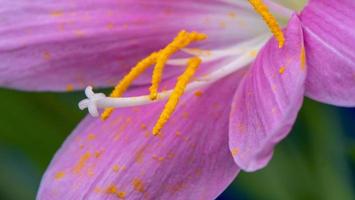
(161, 58)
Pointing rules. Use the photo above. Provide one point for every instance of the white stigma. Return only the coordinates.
(91, 101)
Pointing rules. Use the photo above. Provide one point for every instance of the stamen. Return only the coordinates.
(123, 85)
(179, 89)
(98, 100)
(270, 20)
(181, 41)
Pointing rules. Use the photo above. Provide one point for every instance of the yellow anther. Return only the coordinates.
(270, 20)
(123, 85)
(182, 40)
(159, 58)
(179, 89)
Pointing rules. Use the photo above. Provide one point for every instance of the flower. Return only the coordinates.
(251, 108)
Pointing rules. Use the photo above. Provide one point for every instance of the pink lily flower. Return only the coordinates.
(243, 101)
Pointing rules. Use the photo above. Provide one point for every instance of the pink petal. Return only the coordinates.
(191, 160)
(266, 104)
(59, 45)
(330, 47)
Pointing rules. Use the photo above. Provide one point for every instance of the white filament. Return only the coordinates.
(95, 101)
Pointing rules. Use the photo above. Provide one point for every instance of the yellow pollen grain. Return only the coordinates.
(143, 126)
(179, 89)
(235, 151)
(121, 195)
(253, 53)
(138, 185)
(56, 13)
(270, 20)
(123, 85)
(59, 175)
(116, 168)
(98, 154)
(69, 87)
(112, 189)
(178, 133)
(158, 158)
(182, 40)
(282, 70)
(82, 162)
(198, 93)
(91, 137)
(139, 155)
(303, 59)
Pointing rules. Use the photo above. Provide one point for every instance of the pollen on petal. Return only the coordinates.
(82, 162)
(91, 137)
(69, 87)
(138, 185)
(303, 59)
(253, 53)
(116, 168)
(198, 93)
(235, 151)
(112, 189)
(56, 13)
(282, 70)
(59, 175)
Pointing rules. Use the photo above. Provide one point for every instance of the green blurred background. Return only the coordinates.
(317, 161)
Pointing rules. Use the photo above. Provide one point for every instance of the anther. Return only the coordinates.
(270, 20)
(123, 85)
(174, 98)
(181, 41)
(159, 58)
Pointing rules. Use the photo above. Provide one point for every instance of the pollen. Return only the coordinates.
(303, 59)
(69, 87)
(123, 85)
(235, 151)
(82, 162)
(182, 40)
(270, 20)
(112, 189)
(179, 89)
(282, 70)
(59, 175)
(138, 185)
